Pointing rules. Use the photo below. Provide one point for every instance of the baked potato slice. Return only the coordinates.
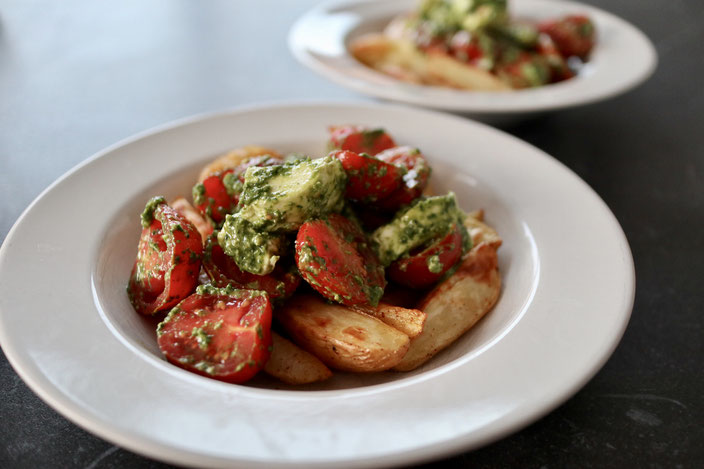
(394, 57)
(401, 59)
(293, 365)
(234, 158)
(455, 305)
(408, 321)
(342, 338)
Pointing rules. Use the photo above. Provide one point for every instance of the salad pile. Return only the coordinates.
(474, 44)
(332, 230)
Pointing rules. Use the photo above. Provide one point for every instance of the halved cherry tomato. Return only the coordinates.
(219, 193)
(559, 70)
(359, 139)
(368, 179)
(414, 181)
(333, 255)
(224, 333)
(223, 271)
(168, 259)
(573, 35)
(523, 69)
(424, 268)
(212, 197)
(469, 48)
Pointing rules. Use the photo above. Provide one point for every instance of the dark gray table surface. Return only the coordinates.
(76, 76)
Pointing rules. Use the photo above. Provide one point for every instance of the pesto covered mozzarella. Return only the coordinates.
(280, 198)
(415, 225)
(252, 250)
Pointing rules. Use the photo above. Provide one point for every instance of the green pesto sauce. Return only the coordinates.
(374, 294)
(449, 16)
(276, 200)
(535, 73)
(434, 264)
(253, 251)
(175, 311)
(228, 291)
(198, 193)
(415, 225)
(147, 216)
(369, 137)
(202, 337)
(232, 183)
(280, 198)
(523, 35)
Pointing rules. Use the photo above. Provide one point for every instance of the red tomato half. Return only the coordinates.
(414, 181)
(559, 70)
(573, 35)
(219, 193)
(168, 259)
(424, 268)
(333, 255)
(212, 198)
(359, 139)
(368, 178)
(223, 271)
(224, 334)
(468, 48)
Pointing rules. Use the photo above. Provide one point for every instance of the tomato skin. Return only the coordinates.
(224, 334)
(334, 256)
(168, 261)
(414, 181)
(414, 271)
(467, 48)
(359, 139)
(573, 35)
(368, 178)
(219, 193)
(559, 70)
(223, 271)
(212, 198)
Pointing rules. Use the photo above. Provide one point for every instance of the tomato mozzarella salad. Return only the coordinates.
(262, 227)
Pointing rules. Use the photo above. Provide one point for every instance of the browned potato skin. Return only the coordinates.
(455, 305)
(408, 321)
(234, 158)
(293, 365)
(340, 337)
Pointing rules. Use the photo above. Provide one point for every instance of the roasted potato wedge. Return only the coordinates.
(400, 58)
(394, 57)
(446, 71)
(182, 206)
(234, 158)
(293, 365)
(340, 337)
(455, 305)
(480, 232)
(408, 321)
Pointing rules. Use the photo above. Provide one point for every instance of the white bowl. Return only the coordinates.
(622, 58)
(68, 329)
